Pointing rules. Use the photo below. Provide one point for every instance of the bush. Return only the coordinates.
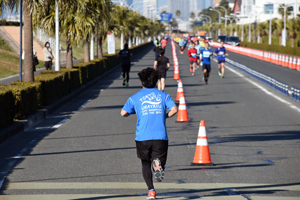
(19, 100)
(273, 48)
(25, 100)
(7, 107)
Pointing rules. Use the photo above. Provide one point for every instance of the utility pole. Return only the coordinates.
(21, 38)
(57, 54)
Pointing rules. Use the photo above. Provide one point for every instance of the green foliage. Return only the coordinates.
(7, 107)
(19, 100)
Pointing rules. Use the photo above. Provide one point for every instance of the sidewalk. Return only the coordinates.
(14, 33)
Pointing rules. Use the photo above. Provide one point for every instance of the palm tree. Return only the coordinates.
(29, 6)
(281, 11)
(192, 15)
(293, 29)
(178, 13)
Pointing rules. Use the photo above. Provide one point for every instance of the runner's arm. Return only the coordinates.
(155, 64)
(172, 112)
(168, 65)
(124, 113)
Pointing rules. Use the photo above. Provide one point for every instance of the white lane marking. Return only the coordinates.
(206, 173)
(265, 90)
(1, 181)
(83, 104)
(12, 162)
(187, 143)
(60, 123)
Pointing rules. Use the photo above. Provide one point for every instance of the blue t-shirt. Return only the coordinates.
(198, 47)
(181, 43)
(206, 56)
(222, 52)
(150, 106)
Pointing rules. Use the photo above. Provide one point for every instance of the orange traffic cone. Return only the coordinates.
(280, 59)
(182, 115)
(176, 73)
(202, 154)
(294, 66)
(180, 92)
(291, 62)
(298, 64)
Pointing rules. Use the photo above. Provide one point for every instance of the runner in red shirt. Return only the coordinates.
(192, 53)
(163, 43)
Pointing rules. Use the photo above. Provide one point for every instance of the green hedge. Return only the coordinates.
(7, 107)
(19, 100)
(273, 48)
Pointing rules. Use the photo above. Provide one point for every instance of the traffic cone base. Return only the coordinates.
(202, 154)
(182, 115)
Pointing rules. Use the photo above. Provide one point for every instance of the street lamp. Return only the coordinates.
(284, 29)
(225, 14)
(207, 17)
(218, 13)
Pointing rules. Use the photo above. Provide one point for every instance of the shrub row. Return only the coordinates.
(19, 100)
(3, 22)
(273, 48)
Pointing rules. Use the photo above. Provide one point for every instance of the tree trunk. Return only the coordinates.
(293, 42)
(28, 43)
(86, 51)
(280, 40)
(69, 56)
(100, 52)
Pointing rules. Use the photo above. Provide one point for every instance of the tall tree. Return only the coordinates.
(178, 13)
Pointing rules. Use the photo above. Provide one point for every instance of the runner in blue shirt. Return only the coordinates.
(205, 57)
(150, 106)
(198, 48)
(221, 53)
(181, 45)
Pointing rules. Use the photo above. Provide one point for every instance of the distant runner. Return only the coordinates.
(125, 54)
(205, 56)
(198, 48)
(156, 49)
(161, 65)
(181, 45)
(221, 53)
(150, 106)
(163, 43)
(192, 53)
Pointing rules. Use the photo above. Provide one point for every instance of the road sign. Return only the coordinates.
(198, 23)
(166, 17)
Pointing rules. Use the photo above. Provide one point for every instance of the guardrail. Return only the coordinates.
(291, 62)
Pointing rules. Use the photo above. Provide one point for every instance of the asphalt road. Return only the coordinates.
(282, 74)
(254, 140)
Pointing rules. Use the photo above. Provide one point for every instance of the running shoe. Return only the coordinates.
(158, 170)
(191, 69)
(223, 76)
(151, 194)
(193, 74)
(127, 84)
(124, 79)
(220, 74)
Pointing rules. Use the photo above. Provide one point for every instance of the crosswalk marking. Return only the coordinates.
(141, 185)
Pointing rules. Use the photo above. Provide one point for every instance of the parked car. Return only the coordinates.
(232, 40)
(221, 38)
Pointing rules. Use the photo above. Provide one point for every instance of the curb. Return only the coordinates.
(23, 125)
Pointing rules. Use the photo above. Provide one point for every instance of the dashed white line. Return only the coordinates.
(265, 90)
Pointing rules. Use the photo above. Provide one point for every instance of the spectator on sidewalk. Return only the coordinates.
(48, 56)
(35, 59)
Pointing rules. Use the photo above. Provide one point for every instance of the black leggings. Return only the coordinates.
(126, 70)
(147, 173)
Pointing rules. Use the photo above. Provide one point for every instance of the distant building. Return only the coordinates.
(182, 5)
(262, 10)
(216, 2)
(150, 7)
